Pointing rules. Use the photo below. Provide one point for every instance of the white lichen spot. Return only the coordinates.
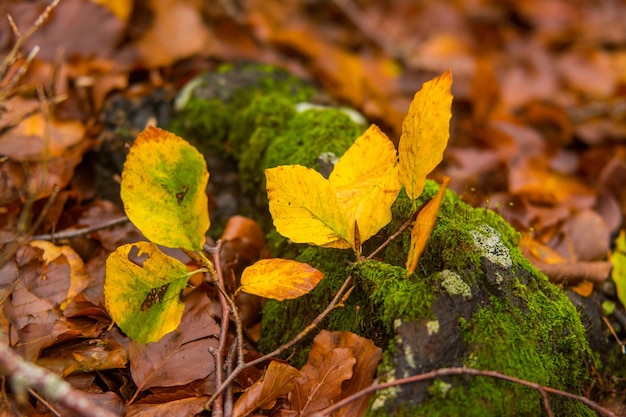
(454, 284)
(432, 326)
(488, 241)
(408, 355)
(397, 323)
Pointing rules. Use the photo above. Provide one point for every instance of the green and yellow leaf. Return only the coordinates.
(142, 291)
(164, 190)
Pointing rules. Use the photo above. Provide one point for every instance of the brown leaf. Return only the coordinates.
(184, 407)
(277, 382)
(367, 356)
(321, 382)
(85, 356)
(181, 356)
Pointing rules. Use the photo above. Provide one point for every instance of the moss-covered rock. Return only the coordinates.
(473, 301)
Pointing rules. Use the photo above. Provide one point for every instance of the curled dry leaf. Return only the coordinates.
(79, 280)
(367, 356)
(280, 279)
(277, 382)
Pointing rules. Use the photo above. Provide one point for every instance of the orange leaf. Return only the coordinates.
(280, 279)
(423, 227)
(277, 382)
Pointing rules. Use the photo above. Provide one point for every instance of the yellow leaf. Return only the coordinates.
(79, 279)
(164, 190)
(142, 291)
(425, 133)
(423, 227)
(304, 207)
(280, 279)
(618, 273)
(366, 182)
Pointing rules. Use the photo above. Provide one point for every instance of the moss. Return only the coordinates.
(311, 133)
(209, 107)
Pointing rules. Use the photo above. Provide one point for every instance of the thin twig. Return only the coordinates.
(303, 333)
(464, 371)
(218, 409)
(391, 238)
(70, 234)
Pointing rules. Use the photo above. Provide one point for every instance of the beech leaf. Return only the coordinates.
(618, 273)
(425, 133)
(367, 356)
(304, 207)
(277, 382)
(359, 193)
(423, 227)
(320, 384)
(181, 356)
(79, 279)
(365, 180)
(163, 189)
(280, 279)
(141, 291)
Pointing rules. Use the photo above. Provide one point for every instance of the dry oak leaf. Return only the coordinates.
(277, 382)
(425, 133)
(307, 208)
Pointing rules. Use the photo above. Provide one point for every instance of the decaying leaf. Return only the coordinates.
(423, 227)
(164, 190)
(307, 208)
(320, 384)
(277, 382)
(84, 356)
(367, 356)
(280, 279)
(425, 133)
(141, 291)
(79, 280)
(181, 356)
